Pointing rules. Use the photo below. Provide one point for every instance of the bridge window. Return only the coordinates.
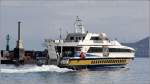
(71, 38)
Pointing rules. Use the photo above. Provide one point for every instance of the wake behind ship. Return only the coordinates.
(87, 50)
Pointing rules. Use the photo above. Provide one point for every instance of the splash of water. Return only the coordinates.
(33, 68)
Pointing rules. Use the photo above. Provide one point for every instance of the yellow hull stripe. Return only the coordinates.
(98, 61)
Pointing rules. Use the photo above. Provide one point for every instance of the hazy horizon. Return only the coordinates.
(128, 21)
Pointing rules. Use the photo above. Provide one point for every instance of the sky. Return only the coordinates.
(126, 20)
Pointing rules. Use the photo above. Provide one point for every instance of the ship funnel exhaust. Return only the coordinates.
(19, 30)
(19, 41)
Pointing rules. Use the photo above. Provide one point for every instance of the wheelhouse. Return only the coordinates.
(75, 37)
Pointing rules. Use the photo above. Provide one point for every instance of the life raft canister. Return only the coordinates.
(82, 55)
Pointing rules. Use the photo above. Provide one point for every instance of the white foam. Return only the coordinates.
(33, 68)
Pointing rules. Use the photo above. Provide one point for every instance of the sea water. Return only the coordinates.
(137, 72)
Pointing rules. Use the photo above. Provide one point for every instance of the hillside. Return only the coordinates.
(141, 47)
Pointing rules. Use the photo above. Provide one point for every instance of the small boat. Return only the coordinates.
(82, 49)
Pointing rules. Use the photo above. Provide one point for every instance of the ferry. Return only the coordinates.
(82, 49)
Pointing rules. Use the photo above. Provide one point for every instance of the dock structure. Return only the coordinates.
(19, 55)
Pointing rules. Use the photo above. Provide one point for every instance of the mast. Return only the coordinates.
(79, 28)
(60, 37)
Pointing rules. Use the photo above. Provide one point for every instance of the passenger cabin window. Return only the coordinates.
(119, 50)
(95, 49)
(100, 49)
(95, 38)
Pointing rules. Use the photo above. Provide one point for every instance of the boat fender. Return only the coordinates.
(82, 56)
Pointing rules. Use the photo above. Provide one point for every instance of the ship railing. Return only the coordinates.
(95, 41)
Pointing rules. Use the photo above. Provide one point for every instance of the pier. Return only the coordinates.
(20, 56)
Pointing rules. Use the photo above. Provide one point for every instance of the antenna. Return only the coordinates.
(60, 30)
